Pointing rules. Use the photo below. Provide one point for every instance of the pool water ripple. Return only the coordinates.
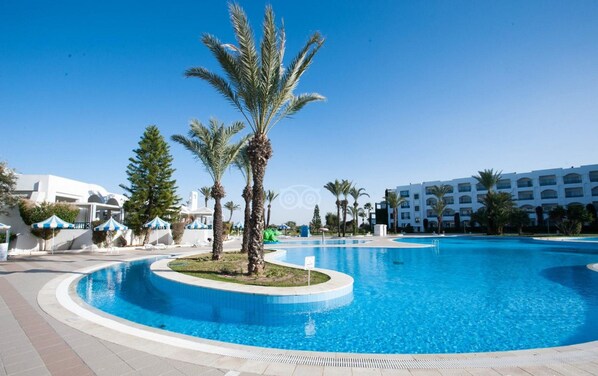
(469, 295)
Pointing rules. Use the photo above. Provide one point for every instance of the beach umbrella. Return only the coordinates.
(284, 227)
(110, 226)
(196, 225)
(157, 224)
(53, 223)
(238, 226)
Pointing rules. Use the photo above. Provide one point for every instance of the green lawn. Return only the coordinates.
(233, 268)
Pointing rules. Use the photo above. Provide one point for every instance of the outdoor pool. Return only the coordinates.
(467, 295)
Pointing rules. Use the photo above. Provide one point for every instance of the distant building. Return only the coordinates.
(530, 190)
(94, 201)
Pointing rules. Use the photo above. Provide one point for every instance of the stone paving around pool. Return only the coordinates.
(33, 342)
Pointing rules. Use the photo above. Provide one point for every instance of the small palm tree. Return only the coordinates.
(206, 193)
(439, 191)
(244, 165)
(488, 178)
(231, 206)
(257, 84)
(394, 201)
(368, 206)
(356, 193)
(363, 215)
(213, 147)
(270, 196)
(335, 188)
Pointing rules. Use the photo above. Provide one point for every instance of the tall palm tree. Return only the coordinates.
(213, 147)
(335, 188)
(244, 165)
(258, 85)
(488, 179)
(346, 186)
(270, 196)
(206, 193)
(394, 201)
(439, 191)
(231, 206)
(356, 193)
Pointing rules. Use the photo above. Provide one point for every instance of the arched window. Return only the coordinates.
(572, 178)
(548, 194)
(465, 200)
(94, 198)
(524, 183)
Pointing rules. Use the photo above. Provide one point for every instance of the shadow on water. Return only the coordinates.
(585, 283)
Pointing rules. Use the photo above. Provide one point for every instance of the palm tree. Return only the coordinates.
(258, 85)
(244, 165)
(335, 188)
(206, 193)
(488, 178)
(346, 186)
(213, 147)
(270, 196)
(394, 201)
(231, 206)
(356, 193)
(368, 206)
(440, 205)
(363, 215)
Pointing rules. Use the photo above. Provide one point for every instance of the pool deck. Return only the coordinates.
(33, 342)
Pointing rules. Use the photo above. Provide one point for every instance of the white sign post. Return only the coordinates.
(310, 263)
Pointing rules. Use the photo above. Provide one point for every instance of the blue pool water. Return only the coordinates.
(326, 242)
(468, 295)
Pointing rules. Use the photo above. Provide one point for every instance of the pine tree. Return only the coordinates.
(152, 190)
(316, 221)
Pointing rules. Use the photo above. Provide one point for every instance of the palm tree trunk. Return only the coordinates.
(355, 219)
(259, 151)
(217, 245)
(338, 217)
(439, 224)
(246, 226)
(268, 218)
(344, 218)
(396, 214)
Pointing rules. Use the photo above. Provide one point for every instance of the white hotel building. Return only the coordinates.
(541, 188)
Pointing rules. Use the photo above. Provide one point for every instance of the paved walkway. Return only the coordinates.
(34, 343)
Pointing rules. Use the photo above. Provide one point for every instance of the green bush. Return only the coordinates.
(178, 228)
(32, 212)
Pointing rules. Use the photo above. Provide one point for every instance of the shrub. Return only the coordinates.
(120, 241)
(178, 228)
(32, 213)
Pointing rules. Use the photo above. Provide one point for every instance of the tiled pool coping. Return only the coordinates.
(59, 299)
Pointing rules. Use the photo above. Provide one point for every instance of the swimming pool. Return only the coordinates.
(467, 295)
(326, 242)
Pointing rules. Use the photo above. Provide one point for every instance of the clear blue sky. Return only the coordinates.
(416, 91)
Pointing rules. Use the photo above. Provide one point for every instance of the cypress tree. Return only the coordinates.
(316, 222)
(152, 190)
